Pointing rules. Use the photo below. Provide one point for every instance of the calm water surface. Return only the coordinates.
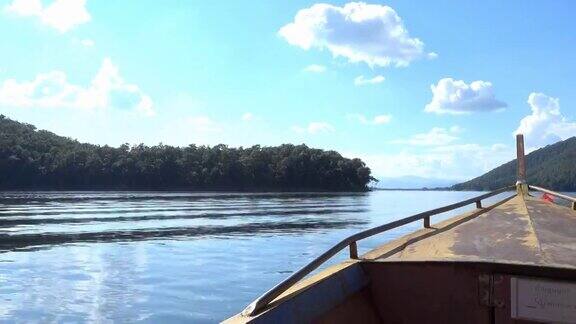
(175, 257)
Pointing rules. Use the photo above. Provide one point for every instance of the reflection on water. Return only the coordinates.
(173, 257)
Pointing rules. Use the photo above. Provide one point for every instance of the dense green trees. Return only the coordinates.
(31, 158)
(552, 167)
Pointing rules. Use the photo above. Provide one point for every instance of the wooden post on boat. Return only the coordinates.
(353, 250)
(521, 185)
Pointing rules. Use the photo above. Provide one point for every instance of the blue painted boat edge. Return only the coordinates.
(315, 301)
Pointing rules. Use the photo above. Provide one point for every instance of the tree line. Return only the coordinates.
(38, 159)
(552, 167)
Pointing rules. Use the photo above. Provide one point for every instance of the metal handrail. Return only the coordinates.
(350, 241)
(556, 194)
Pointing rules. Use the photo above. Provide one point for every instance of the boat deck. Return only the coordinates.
(522, 230)
(462, 270)
(510, 262)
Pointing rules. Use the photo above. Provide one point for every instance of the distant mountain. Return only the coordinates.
(412, 182)
(552, 167)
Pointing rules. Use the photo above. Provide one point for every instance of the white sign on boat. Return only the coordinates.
(543, 300)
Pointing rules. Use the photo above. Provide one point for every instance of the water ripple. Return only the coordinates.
(30, 220)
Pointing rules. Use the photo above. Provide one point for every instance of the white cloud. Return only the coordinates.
(62, 15)
(314, 128)
(451, 96)
(53, 90)
(315, 68)
(359, 81)
(451, 162)
(247, 116)
(360, 32)
(546, 124)
(87, 43)
(25, 7)
(437, 136)
(377, 120)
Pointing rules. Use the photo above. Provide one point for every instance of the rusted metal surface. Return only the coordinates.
(487, 290)
(555, 228)
(260, 303)
(485, 286)
(523, 230)
(388, 249)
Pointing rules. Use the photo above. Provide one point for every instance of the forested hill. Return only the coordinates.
(552, 167)
(38, 159)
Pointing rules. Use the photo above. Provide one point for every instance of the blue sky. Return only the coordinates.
(425, 88)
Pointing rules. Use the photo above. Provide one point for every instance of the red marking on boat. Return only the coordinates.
(547, 197)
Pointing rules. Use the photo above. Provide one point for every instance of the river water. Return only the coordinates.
(170, 257)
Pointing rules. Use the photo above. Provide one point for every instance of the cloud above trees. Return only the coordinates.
(546, 124)
(62, 15)
(449, 162)
(108, 90)
(456, 97)
(369, 33)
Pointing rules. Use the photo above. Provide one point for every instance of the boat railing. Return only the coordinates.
(351, 243)
(555, 194)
